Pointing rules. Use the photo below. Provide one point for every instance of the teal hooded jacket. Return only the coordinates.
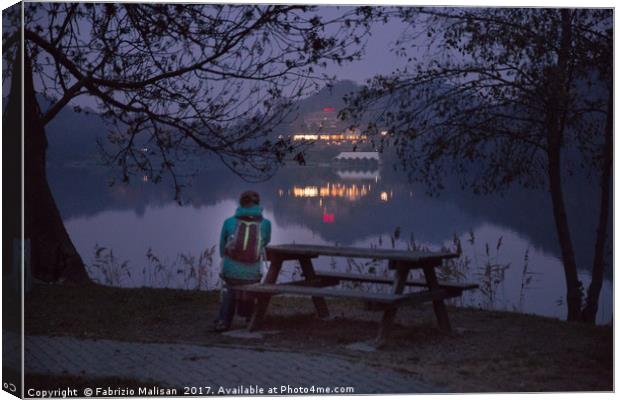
(236, 269)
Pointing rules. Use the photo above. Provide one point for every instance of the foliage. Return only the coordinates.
(492, 274)
(184, 271)
(184, 80)
(193, 272)
(504, 96)
(108, 265)
(477, 101)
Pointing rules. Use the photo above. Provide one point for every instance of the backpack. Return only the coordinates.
(244, 244)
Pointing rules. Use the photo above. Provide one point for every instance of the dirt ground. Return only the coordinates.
(487, 351)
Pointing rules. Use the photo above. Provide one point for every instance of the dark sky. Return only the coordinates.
(378, 57)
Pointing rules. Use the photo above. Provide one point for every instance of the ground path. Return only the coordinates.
(178, 365)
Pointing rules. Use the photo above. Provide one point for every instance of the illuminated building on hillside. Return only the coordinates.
(333, 138)
(324, 126)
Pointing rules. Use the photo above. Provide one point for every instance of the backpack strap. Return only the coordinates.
(251, 218)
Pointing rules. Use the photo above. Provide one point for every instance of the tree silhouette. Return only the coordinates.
(505, 96)
(181, 80)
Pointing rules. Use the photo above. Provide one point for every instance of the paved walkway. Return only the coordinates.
(179, 365)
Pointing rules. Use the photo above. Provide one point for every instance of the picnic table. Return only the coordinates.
(316, 283)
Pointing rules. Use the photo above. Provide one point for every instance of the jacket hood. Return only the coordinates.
(253, 211)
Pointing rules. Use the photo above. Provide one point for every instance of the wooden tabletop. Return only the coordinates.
(357, 252)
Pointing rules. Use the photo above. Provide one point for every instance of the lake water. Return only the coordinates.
(509, 242)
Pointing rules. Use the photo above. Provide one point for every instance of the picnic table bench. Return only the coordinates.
(316, 283)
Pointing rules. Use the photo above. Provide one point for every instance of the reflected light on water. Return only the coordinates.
(350, 192)
(307, 191)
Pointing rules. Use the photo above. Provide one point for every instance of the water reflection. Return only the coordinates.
(327, 206)
(351, 192)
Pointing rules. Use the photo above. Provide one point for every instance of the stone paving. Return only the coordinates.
(180, 365)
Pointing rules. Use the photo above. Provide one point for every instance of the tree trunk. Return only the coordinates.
(12, 202)
(573, 285)
(557, 105)
(594, 291)
(53, 255)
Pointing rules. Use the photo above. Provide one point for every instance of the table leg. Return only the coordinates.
(263, 300)
(438, 305)
(384, 327)
(319, 302)
(259, 312)
(389, 314)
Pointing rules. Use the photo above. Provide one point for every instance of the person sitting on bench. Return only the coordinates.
(242, 244)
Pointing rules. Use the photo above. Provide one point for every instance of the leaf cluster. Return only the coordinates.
(477, 102)
(185, 80)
